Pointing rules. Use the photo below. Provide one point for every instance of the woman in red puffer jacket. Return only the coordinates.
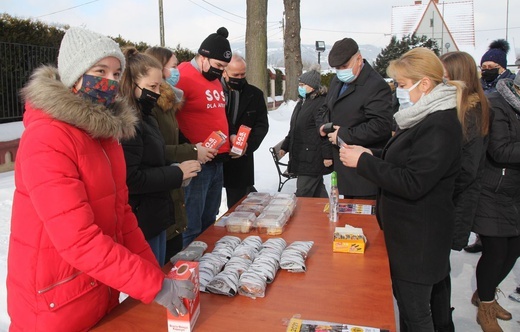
(74, 241)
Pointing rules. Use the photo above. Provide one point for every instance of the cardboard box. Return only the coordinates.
(348, 240)
(215, 140)
(240, 144)
(185, 270)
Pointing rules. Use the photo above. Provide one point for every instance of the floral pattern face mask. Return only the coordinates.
(99, 89)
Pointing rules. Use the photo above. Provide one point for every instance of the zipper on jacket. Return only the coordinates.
(500, 180)
(115, 193)
(61, 282)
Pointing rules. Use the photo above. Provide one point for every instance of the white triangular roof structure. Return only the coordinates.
(446, 22)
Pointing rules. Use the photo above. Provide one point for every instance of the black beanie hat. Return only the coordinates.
(216, 46)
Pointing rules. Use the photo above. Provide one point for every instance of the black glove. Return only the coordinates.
(172, 293)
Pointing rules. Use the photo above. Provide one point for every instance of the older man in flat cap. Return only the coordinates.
(359, 104)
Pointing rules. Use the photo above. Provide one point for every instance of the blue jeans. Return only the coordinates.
(158, 245)
(203, 198)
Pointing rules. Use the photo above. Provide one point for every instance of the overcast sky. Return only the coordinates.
(188, 22)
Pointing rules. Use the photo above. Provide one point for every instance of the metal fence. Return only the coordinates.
(17, 62)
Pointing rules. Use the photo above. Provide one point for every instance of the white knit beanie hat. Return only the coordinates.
(81, 49)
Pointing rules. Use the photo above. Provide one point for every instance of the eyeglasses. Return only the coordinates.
(489, 67)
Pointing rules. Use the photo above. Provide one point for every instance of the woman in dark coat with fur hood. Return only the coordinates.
(310, 154)
(498, 215)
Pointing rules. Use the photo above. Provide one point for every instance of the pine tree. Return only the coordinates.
(396, 48)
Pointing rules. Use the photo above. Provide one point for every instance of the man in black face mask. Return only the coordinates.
(245, 105)
(204, 112)
(493, 65)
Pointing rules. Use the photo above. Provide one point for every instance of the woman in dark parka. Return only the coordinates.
(416, 174)
(497, 220)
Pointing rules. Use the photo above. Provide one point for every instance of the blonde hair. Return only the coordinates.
(461, 66)
(419, 63)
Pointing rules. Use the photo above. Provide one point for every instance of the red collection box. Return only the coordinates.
(241, 141)
(215, 140)
(185, 270)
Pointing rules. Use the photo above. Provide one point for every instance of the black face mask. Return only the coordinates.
(236, 83)
(489, 75)
(148, 100)
(212, 73)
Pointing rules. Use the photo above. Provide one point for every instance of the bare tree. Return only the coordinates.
(256, 44)
(292, 48)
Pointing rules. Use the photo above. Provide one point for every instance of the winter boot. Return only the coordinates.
(502, 313)
(486, 317)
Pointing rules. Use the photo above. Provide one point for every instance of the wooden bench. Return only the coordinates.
(283, 176)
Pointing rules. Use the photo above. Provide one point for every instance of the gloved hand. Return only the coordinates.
(172, 293)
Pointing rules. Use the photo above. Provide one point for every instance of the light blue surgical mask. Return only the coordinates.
(404, 96)
(345, 75)
(174, 77)
(302, 91)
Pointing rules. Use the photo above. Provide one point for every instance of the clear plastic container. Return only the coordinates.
(256, 209)
(240, 222)
(271, 223)
(278, 209)
(256, 201)
(289, 202)
(256, 194)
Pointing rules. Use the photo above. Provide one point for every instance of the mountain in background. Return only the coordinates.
(275, 56)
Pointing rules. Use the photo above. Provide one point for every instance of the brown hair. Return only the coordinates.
(422, 62)
(137, 66)
(162, 54)
(461, 66)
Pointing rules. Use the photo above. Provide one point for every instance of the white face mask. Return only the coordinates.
(404, 96)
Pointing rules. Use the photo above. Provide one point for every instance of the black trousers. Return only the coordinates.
(440, 304)
(499, 255)
(413, 301)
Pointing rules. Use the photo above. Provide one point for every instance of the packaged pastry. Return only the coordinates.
(278, 244)
(256, 201)
(240, 222)
(278, 209)
(251, 285)
(256, 209)
(294, 256)
(229, 240)
(224, 283)
(290, 203)
(252, 241)
(256, 194)
(238, 264)
(270, 223)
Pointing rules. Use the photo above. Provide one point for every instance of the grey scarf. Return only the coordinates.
(442, 97)
(506, 88)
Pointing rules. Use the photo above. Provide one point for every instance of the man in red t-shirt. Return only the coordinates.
(203, 112)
